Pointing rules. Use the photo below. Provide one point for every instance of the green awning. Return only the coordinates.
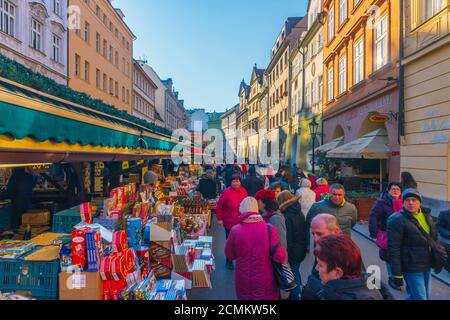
(21, 122)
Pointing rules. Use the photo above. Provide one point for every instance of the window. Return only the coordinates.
(381, 43)
(97, 11)
(111, 86)
(307, 95)
(97, 42)
(36, 35)
(116, 60)
(320, 40)
(97, 78)
(359, 62)
(330, 85)
(56, 52)
(117, 33)
(105, 48)
(320, 89)
(57, 7)
(7, 17)
(342, 75)
(128, 96)
(431, 7)
(111, 54)
(77, 65)
(105, 82)
(123, 94)
(105, 19)
(331, 25)
(86, 32)
(313, 92)
(116, 87)
(86, 70)
(342, 11)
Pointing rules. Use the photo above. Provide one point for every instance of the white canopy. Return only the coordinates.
(333, 144)
(373, 145)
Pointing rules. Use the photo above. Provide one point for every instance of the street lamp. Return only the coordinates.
(313, 128)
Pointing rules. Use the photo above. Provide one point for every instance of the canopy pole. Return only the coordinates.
(381, 175)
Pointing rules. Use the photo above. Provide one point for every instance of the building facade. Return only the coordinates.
(174, 110)
(254, 107)
(242, 124)
(34, 33)
(228, 120)
(425, 135)
(160, 93)
(278, 73)
(144, 91)
(101, 52)
(361, 78)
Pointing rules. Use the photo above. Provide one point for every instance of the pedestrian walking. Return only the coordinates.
(410, 236)
(339, 264)
(443, 225)
(248, 244)
(322, 188)
(269, 209)
(389, 203)
(208, 186)
(253, 183)
(307, 196)
(297, 177)
(295, 236)
(345, 212)
(227, 209)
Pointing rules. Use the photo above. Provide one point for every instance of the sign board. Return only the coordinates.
(379, 118)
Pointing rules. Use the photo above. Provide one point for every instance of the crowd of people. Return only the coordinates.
(269, 219)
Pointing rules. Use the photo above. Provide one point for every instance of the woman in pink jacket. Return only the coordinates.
(248, 244)
(227, 209)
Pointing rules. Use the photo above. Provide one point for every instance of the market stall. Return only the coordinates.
(140, 243)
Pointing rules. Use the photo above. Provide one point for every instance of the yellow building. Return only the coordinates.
(100, 52)
(360, 79)
(426, 61)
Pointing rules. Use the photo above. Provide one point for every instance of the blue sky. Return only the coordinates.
(207, 47)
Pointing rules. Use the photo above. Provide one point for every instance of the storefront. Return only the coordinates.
(370, 138)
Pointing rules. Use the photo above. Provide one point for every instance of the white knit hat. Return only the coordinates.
(249, 204)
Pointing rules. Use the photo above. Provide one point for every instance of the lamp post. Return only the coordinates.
(313, 127)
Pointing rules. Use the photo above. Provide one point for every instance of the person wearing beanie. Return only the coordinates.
(408, 233)
(252, 182)
(295, 236)
(227, 209)
(268, 207)
(389, 203)
(248, 244)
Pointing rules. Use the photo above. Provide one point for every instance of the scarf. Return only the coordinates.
(254, 218)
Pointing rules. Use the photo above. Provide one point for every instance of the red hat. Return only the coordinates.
(265, 194)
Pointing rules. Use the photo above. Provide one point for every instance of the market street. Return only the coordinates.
(223, 279)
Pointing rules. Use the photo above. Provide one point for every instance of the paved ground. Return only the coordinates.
(223, 279)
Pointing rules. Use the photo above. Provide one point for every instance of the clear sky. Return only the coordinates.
(207, 46)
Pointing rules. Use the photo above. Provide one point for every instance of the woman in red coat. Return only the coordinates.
(227, 209)
(322, 188)
(248, 244)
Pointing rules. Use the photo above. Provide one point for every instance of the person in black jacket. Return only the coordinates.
(324, 225)
(295, 236)
(443, 225)
(207, 185)
(409, 248)
(252, 183)
(340, 268)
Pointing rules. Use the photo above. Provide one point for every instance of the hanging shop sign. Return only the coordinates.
(379, 118)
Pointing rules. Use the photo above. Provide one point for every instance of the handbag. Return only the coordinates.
(438, 252)
(382, 240)
(282, 271)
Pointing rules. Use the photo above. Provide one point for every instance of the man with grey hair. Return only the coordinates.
(336, 205)
(307, 196)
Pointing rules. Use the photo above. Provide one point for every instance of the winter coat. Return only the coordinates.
(295, 230)
(314, 286)
(443, 224)
(296, 178)
(277, 220)
(253, 184)
(381, 211)
(408, 248)
(321, 190)
(208, 188)
(248, 244)
(346, 215)
(307, 199)
(227, 209)
(349, 289)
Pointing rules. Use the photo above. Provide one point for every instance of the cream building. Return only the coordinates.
(34, 33)
(228, 120)
(160, 94)
(253, 105)
(242, 122)
(144, 90)
(425, 147)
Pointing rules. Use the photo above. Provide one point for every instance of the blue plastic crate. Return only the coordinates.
(64, 221)
(5, 216)
(39, 278)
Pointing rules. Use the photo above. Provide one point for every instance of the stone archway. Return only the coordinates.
(338, 132)
(367, 127)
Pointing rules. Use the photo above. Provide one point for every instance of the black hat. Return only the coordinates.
(411, 193)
